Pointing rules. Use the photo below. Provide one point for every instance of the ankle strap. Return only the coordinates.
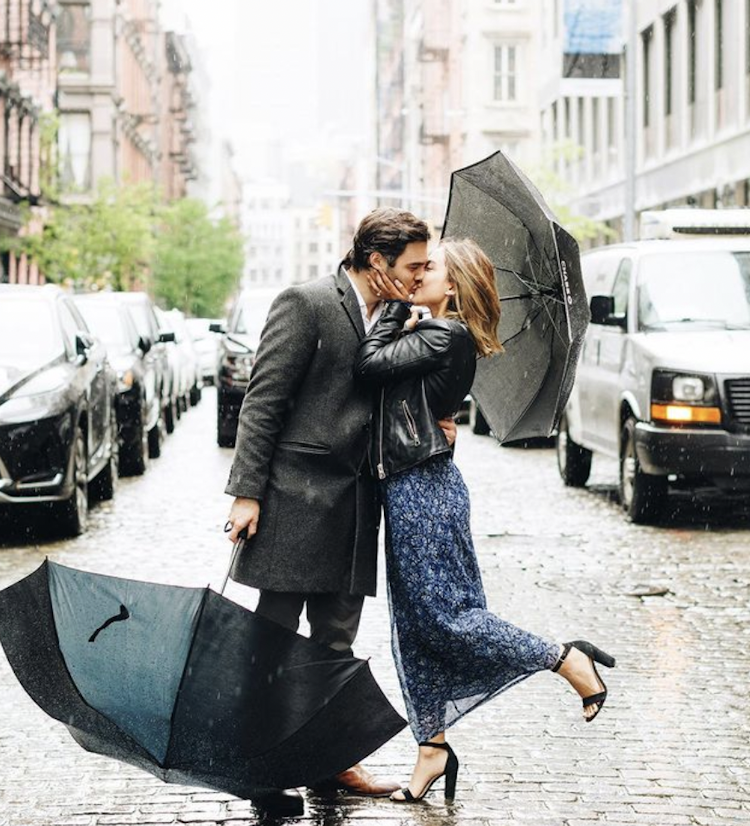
(561, 659)
(443, 746)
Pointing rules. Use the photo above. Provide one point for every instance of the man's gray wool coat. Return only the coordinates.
(302, 449)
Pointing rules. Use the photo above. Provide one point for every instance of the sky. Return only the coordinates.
(290, 71)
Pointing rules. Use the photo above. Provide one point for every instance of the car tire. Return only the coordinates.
(74, 512)
(195, 395)
(155, 439)
(134, 454)
(573, 460)
(477, 422)
(642, 496)
(226, 428)
(104, 486)
(170, 416)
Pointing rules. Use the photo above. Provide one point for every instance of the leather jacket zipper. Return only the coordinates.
(411, 425)
(381, 468)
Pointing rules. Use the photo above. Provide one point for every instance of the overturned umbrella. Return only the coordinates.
(522, 392)
(187, 684)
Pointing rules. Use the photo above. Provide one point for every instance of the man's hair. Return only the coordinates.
(388, 231)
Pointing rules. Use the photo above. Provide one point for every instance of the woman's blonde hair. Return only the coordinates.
(476, 302)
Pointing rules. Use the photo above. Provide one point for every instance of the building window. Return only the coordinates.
(595, 124)
(611, 126)
(74, 37)
(74, 144)
(719, 44)
(313, 270)
(647, 37)
(313, 248)
(669, 20)
(505, 73)
(568, 135)
(692, 51)
(581, 123)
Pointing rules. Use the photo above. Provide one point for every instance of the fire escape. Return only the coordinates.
(24, 51)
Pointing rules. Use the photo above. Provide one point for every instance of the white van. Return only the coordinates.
(663, 382)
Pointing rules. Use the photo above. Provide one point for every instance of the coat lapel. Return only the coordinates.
(349, 301)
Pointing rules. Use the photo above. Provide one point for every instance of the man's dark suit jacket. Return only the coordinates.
(302, 446)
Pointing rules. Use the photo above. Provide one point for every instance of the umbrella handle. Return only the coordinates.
(235, 550)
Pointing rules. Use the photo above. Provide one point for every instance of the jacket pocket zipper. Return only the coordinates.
(381, 468)
(411, 425)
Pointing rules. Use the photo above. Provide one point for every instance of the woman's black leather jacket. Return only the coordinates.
(423, 376)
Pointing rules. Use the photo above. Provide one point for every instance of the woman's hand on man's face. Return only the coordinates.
(386, 289)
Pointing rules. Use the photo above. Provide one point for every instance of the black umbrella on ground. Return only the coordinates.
(523, 391)
(187, 684)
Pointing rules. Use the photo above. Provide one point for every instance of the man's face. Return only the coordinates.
(409, 266)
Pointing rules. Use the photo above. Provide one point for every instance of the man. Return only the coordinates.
(301, 478)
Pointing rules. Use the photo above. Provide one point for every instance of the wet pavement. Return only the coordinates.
(672, 745)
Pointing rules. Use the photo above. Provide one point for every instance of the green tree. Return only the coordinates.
(108, 242)
(197, 261)
(557, 192)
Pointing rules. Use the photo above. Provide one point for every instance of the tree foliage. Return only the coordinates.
(197, 260)
(105, 243)
(126, 238)
(558, 193)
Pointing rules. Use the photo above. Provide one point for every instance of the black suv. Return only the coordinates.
(239, 343)
(138, 401)
(58, 428)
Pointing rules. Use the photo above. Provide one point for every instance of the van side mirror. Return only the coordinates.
(216, 327)
(603, 312)
(144, 344)
(165, 338)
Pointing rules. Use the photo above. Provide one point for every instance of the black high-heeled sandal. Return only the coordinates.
(450, 772)
(596, 655)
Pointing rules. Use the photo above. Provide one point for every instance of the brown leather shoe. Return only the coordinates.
(358, 781)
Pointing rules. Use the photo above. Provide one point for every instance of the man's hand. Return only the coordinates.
(244, 514)
(448, 426)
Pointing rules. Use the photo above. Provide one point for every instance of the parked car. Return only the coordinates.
(192, 378)
(173, 391)
(141, 309)
(663, 383)
(138, 401)
(206, 345)
(239, 343)
(58, 428)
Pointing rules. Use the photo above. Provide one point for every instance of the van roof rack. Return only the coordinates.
(676, 223)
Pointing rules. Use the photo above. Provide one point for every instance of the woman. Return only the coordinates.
(451, 653)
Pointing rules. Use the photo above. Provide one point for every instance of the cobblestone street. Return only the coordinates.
(671, 747)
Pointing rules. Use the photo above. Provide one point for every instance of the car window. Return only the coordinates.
(250, 317)
(107, 323)
(621, 288)
(29, 332)
(71, 326)
(599, 270)
(143, 320)
(704, 289)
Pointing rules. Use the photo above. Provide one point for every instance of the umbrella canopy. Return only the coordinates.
(187, 684)
(523, 391)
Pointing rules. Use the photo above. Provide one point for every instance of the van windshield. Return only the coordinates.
(707, 290)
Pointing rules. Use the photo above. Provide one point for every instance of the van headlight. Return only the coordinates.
(684, 398)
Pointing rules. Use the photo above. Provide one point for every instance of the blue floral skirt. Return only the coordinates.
(451, 653)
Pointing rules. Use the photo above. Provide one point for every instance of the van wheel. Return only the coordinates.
(477, 422)
(573, 460)
(642, 496)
